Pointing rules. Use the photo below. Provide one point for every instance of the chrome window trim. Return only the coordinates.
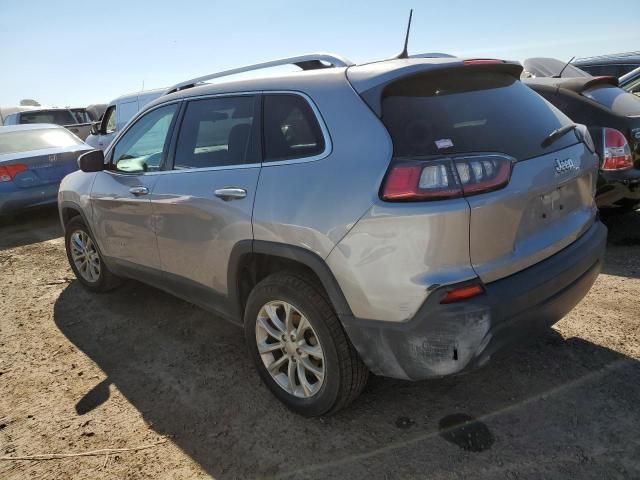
(328, 144)
(191, 170)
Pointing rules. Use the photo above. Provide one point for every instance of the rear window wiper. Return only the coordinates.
(556, 134)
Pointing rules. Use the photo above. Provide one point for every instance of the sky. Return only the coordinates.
(74, 53)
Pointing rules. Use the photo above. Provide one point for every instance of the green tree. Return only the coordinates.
(28, 102)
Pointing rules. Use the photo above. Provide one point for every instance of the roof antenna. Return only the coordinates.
(405, 53)
(559, 75)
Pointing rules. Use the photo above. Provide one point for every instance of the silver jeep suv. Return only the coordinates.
(407, 217)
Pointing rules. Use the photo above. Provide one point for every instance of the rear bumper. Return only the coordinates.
(616, 186)
(449, 339)
(11, 201)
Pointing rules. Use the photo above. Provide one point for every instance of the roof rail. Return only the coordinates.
(311, 61)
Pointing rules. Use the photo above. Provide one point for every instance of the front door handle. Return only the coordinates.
(137, 191)
(230, 193)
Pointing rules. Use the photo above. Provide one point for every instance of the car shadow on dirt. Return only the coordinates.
(32, 226)
(557, 408)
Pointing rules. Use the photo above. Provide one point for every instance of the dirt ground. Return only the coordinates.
(137, 367)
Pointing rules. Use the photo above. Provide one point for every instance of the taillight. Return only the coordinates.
(617, 153)
(446, 178)
(462, 293)
(9, 172)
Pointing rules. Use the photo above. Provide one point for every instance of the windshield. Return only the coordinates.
(26, 140)
(621, 102)
(475, 112)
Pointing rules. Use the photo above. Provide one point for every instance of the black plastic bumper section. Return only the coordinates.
(451, 338)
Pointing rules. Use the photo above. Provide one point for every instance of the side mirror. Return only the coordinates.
(95, 128)
(92, 161)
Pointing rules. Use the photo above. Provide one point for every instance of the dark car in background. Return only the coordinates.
(615, 65)
(33, 161)
(551, 67)
(82, 115)
(613, 118)
(77, 123)
(631, 81)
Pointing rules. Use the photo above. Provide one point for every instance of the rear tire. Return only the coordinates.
(85, 258)
(343, 375)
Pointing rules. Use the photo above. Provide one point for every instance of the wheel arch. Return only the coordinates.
(253, 260)
(69, 210)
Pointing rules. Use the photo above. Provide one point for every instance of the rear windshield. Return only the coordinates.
(442, 114)
(618, 100)
(26, 140)
(57, 117)
(613, 69)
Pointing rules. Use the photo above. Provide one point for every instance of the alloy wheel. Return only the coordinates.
(85, 256)
(290, 349)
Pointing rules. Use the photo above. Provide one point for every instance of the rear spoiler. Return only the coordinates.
(372, 95)
(580, 84)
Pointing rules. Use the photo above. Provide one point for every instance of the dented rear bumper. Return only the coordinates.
(451, 338)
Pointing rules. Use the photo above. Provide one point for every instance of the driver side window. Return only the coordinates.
(142, 148)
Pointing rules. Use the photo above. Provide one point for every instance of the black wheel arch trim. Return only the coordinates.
(75, 207)
(290, 252)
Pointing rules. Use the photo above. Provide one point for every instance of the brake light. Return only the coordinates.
(9, 172)
(462, 293)
(481, 61)
(447, 178)
(617, 153)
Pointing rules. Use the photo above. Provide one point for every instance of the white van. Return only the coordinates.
(118, 113)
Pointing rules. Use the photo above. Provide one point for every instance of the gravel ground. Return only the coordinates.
(139, 368)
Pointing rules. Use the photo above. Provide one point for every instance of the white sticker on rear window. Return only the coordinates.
(444, 143)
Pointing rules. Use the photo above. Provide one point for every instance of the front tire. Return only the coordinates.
(299, 347)
(85, 258)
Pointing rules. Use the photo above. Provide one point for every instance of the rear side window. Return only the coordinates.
(26, 140)
(57, 117)
(616, 99)
(443, 114)
(291, 129)
(217, 132)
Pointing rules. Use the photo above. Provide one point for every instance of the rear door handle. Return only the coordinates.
(230, 193)
(137, 191)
